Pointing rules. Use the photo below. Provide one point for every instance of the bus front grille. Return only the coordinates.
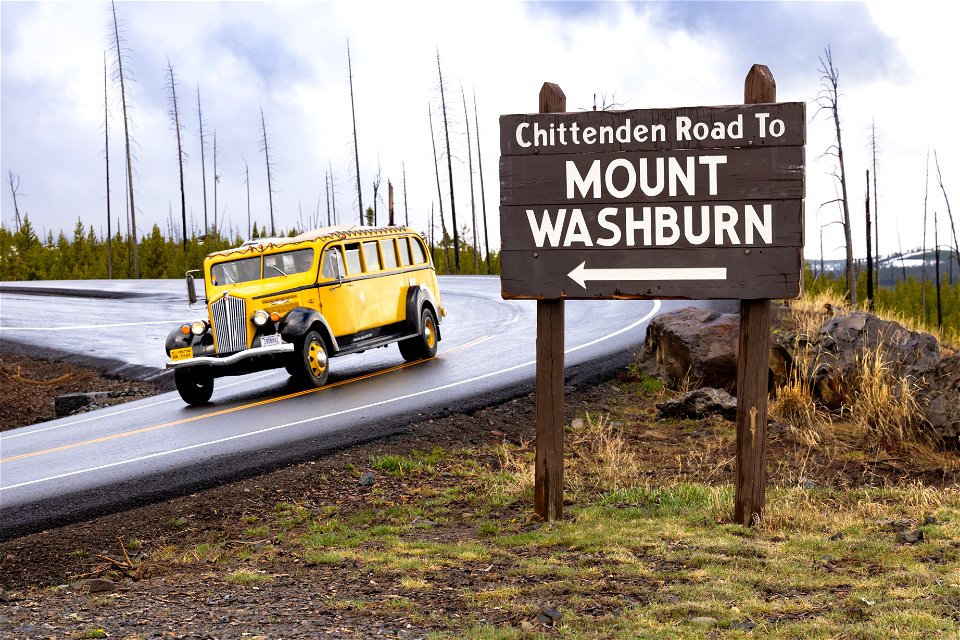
(230, 324)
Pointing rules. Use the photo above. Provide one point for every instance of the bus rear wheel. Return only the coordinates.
(424, 345)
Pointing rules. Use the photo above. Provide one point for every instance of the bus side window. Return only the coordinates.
(331, 258)
(389, 251)
(370, 256)
(354, 266)
(404, 245)
(418, 255)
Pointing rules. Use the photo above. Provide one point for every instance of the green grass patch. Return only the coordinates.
(416, 462)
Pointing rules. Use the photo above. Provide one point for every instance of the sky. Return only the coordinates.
(289, 60)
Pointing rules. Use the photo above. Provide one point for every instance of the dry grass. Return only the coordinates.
(604, 459)
(884, 405)
(880, 411)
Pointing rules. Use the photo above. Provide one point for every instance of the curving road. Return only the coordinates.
(103, 461)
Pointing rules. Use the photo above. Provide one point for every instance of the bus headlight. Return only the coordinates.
(198, 328)
(260, 317)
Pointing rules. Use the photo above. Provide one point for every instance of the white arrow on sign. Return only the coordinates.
(581, 274)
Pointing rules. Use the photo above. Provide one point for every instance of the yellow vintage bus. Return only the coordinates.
(297, 302)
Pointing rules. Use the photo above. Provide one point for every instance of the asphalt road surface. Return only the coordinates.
(86, 465)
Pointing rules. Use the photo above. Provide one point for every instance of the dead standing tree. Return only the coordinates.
(123, 78)
(828, 99)
(14, 181)
(356, 148)
(453, 205)
(106, 153)
(178, 129)
(265, 148)
(483, 199)
(953, 229)
(473, 206)
(436, 165)
(203, 161)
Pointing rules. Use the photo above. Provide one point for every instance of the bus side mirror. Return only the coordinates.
(191, 289)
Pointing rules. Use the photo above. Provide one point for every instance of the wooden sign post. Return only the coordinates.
(548, 468)
(692, 202)
(753, 364)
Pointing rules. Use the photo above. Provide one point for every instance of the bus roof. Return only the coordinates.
(337, 232)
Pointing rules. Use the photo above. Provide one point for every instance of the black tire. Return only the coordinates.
(194, 385)
(424, 345)
(312, 360)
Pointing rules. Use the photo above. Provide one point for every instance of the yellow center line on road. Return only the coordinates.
(251, 405)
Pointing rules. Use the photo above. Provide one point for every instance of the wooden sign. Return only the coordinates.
(695, 202)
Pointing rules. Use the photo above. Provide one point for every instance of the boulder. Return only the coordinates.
(700, 403)
(693, 347)
(844, 341)
(72, 402)
(941, 400)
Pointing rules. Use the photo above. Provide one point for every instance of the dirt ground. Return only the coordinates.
(107, 577)
(29, 386)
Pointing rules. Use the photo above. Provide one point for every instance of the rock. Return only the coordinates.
(700, 403)
(909, 537)
(844, 341)
(692, 346)
(940, 400)
(704, 621)
(99, 585)
(837, 536)
(71, 402)
(743, 625)
(368, 479)
(527, 626)
(577, 423)
(929, 519)
(550, 612)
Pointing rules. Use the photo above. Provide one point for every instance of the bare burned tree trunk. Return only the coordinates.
(483, 199)
(326, 185)
(390, 221)
(953, 229)
(876, 200)
(473, 206)
(123, 79)
(406, 211)
(106, 153)
(923, 255)
(869, 256)
(265, 148)
(14, 181)
(203, 162)
(936, 272)
(333, 196)
(903, 263)
(376, 190)
(829, 100)
(216, 181)
(453, 205)
(178, 128)
(436, 165)
(356, 148)
(246, 182)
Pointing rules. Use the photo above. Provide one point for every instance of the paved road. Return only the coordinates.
(151, 449)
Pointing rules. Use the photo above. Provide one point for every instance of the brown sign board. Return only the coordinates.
(694, 202)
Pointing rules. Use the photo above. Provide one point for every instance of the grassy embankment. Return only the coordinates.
(648, 548)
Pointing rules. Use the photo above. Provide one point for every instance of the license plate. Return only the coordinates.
(181, 354)
(272, 340)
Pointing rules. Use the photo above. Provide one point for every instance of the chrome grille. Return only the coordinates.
(230, 324)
